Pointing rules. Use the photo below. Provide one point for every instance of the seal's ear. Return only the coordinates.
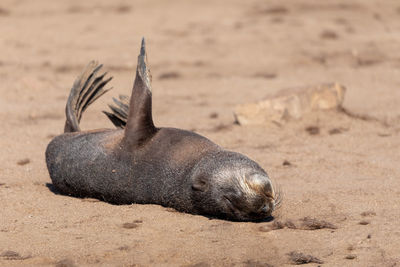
(139, 126)
(200, 184)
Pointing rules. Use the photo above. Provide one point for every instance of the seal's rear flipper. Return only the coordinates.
(139, 124)
(119, 112)
(88, 87)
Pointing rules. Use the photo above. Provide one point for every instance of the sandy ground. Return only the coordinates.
(207, 57)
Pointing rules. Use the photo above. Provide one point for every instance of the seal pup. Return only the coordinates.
(141, 163)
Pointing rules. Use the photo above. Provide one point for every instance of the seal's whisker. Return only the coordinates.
(278, 196)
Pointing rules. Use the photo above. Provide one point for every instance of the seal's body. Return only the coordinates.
(145, 164)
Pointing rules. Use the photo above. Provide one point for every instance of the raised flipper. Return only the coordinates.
(119, 111)
(139, 124)
(88, 87)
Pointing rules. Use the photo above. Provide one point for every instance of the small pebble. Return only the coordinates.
(351, 257)
(130, 225)
(286, 163)
(23, 161)
(312, 130)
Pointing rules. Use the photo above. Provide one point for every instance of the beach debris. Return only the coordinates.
(291, 104)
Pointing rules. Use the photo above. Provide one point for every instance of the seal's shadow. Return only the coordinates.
(264, 220)
(54, 190)
(268, 219)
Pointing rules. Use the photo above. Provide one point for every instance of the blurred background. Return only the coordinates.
(247, 49)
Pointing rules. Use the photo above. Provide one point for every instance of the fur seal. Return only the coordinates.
(141, 163)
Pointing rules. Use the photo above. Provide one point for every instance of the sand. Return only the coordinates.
(339, 173)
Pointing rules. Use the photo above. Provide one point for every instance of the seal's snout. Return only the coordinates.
(261, 188)
(268, 207)
(252, 196)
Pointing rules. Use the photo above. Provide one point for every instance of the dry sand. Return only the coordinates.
(342, 175)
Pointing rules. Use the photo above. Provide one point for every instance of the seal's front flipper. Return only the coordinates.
(88, 87)
(139, 125)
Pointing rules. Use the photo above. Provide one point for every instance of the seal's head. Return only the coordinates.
(230, 185)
